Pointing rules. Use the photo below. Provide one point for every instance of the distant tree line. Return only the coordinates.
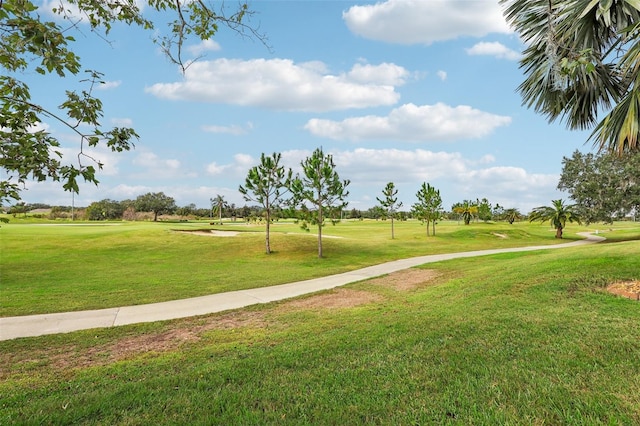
(603, 186)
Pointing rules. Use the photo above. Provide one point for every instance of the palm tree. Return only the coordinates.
(218, 204)
(467, 209)
(582, 65)
(558, 215)
(511, 215)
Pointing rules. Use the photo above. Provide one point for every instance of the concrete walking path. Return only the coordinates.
(37, 325)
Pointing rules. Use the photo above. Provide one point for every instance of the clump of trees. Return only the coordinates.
(604, 187)
(428, 209)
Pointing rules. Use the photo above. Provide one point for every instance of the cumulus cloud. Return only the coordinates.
(108, 85)
(442, 75)
(425, 22)
(239, 167)
(204, 46)
(389, 74)
(495, 49)
(458, 177)
(151, 166)
(414, 123)
(508, 186)
(281, 84)
(368, 166)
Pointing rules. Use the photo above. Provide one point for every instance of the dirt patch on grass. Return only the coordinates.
(628, 289)
(172, 335)
(409, 279)
(339, 298)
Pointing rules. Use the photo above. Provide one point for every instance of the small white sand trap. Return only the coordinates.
(214, 233)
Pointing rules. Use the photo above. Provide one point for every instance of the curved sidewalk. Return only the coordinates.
(37, 325)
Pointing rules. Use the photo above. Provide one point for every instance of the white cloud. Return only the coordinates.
(495, 49)
(204, 46)
(366, 166)
(100, 153)
(108, 85)
(230, 130)
(508, 186)
(149, 160)
(442, 75)
(283, 85)
(410, 122)
(385, 73)
(238, 168)
(150, 166)
(456, 176)
(425, 22)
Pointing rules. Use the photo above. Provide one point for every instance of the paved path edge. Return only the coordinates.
(64, 322)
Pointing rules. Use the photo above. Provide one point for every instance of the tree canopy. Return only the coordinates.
(429, 206)
(319, 191)
(466, 209)
(603, 186)
(266, 184)
(583, 60)
(389, 203)
(156, 202)
(558, 214)
(29, 43)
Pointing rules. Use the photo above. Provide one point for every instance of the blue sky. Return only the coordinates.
(403, 91)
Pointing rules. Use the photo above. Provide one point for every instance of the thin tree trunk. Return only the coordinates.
(319, 231)
(392, 232)
(268, 245)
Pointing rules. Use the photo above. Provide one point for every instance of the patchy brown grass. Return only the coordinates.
(339, 298)
(407, 280)
(173, 334)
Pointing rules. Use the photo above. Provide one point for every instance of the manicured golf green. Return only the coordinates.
(63, 266)
(518, 338)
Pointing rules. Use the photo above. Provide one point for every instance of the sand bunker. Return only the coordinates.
(214, 233)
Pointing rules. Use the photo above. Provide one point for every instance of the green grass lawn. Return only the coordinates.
(47, 267)
(519, 338)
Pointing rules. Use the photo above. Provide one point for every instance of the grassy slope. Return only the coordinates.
(525, 338)
(63, 268)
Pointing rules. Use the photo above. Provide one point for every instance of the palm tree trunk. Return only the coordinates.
(559, 232)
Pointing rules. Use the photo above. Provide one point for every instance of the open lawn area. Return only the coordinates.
(64, 266)
(517, 338)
